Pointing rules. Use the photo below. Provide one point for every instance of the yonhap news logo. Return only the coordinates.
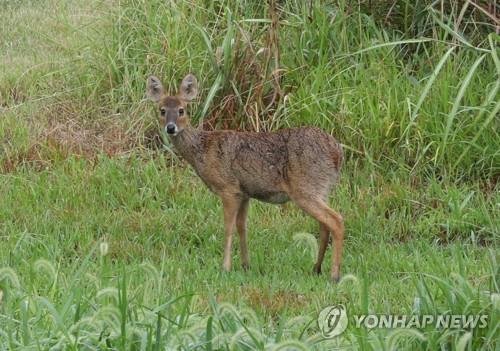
(333, 321)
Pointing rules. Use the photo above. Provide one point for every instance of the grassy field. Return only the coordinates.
(109, 241)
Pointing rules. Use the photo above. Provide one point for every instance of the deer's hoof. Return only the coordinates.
(335, 278)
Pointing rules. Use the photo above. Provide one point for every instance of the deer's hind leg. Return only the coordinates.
(323, 243)
(318, 209)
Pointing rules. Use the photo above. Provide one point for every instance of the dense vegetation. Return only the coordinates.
(108, 241)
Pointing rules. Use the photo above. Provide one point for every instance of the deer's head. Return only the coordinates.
(172, 108)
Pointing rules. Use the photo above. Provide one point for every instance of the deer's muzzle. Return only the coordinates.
(171, 128)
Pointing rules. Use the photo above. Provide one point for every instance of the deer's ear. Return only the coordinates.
(189, 88)
(154, 88)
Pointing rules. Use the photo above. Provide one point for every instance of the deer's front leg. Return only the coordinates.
(231, 206)
(241, 225)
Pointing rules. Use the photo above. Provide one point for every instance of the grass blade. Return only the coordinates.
(494, 113)
(456, 103)
(431, 80)
(211, 94)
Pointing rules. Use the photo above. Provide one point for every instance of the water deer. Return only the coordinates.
(298, 164)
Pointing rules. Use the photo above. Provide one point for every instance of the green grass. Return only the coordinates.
(162, 230)
(109, 243)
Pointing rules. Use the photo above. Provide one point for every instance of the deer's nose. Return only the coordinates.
(171, 128)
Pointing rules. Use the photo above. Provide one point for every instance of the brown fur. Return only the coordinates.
(300, 164)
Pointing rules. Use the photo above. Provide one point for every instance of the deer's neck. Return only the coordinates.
(187, 143)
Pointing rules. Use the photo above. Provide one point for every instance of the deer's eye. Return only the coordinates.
(162, 111)
(181, 111)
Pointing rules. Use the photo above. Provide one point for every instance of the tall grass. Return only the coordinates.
(426, 102)
(402, 84)
(125, 254)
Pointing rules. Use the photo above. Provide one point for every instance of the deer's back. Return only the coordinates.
(267, 166)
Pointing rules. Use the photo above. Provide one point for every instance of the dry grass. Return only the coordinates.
(43, 45)
(86, 137)
(272, 302)
(60, 131)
